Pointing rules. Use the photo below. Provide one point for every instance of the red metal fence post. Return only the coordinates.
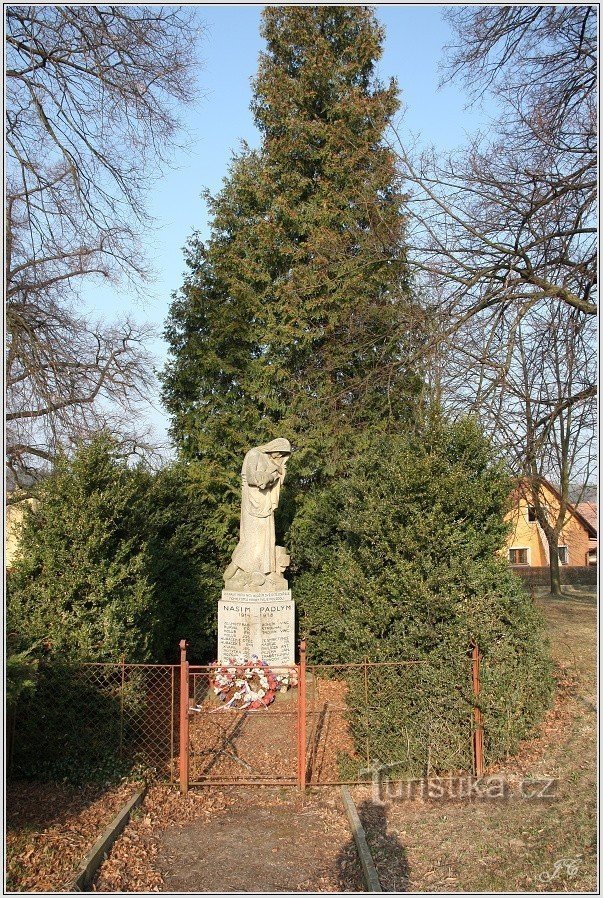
(184, 712)
(478, 731)
(301, 717)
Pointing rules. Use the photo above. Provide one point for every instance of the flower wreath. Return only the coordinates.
(250, 684)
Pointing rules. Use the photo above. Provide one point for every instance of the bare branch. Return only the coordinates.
(92, 99)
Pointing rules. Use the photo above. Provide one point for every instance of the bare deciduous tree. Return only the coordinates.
(502, 236)
(529, 379)
(541, 59)
(68, 377)
(516, 212)
(92, 94)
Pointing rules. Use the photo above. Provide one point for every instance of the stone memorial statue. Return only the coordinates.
(256, 614)
(258, 564)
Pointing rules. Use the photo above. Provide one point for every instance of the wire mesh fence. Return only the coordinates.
(89, 718)
(410, 718)
(338, 724)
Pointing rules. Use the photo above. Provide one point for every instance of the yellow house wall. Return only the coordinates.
(527, 534)
(14, 516)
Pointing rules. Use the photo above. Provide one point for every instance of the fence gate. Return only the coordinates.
(225, 746)
(335, 727)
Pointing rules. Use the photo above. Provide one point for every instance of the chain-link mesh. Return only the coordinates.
(231, 745)
(408, 719)
(91, 717)
(402, 717)
(148, 710)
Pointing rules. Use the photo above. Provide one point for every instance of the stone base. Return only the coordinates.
(261, 624)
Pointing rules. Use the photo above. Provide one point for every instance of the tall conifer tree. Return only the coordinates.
(295, 317)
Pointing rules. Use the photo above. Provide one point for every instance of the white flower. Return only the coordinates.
(264, 682)
(249, 674)
(239, 682)
(260, 693)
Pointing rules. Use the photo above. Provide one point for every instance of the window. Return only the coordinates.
(518, 556)
(563, 554)
(531, 514)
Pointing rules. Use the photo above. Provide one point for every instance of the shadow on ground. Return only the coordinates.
(389, 854)
(270, 843)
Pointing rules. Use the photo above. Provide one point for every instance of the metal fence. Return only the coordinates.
(338, 725)
(397, 716)
(98, 716)
(148, 707)
(231, 745)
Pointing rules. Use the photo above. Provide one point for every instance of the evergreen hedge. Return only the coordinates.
(114, 562)
(399, 560)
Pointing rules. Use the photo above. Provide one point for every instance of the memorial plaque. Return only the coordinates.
(257, 624)
(284, 595)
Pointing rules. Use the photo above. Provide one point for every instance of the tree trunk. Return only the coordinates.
(554, 567)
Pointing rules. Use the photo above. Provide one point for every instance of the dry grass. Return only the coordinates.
(516, 844)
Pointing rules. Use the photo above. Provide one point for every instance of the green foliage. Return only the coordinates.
(69, 730)
(81, 583)
(399, 561)
(21, 675)
(295, 319)
(114, 562)
(83, 724)
(186, 563)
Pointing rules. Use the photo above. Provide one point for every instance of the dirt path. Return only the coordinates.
(270, 844)
(253, 839)
(236, 831)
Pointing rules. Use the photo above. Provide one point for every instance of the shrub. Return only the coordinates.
(399, 561)
(114, 562)
(69, 730)
(81, 584)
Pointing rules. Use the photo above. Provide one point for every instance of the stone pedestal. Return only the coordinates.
(255, 623)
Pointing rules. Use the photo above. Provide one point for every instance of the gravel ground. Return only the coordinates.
(257, 839)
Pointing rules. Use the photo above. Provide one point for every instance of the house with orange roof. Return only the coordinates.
(527, 545)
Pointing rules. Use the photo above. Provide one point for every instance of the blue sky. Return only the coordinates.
(414, 38)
